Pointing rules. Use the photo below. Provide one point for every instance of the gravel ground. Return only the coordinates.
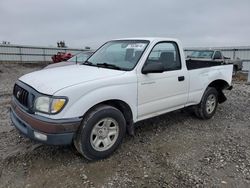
(173, 150)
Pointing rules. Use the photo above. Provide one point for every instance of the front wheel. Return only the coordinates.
(101, 132)
(208, 105)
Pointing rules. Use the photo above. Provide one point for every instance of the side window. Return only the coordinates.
(167, 53)
(217, 55)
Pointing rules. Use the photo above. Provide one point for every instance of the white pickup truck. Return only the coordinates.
(95, 103)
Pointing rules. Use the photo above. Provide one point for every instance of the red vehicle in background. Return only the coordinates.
(61, 56)
(76, 59)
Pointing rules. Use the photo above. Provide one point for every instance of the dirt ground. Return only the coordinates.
(173, 150)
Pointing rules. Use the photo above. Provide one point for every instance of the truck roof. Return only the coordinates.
(151, 39)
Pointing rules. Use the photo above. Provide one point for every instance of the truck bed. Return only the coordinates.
(197, 64)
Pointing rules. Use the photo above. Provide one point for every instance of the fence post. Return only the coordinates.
(44, 58)
(20, 52)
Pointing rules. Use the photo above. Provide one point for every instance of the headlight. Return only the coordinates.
(49, 105)
(42, 104)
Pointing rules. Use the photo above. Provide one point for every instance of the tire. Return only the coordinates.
(208, 105)
(101, 132)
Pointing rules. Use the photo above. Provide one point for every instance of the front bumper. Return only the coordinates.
(56, 132)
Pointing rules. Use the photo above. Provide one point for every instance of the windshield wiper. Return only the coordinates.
(87, 63)
(108, 66)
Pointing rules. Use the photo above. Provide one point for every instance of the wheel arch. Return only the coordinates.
(220, 85)
(123, 107)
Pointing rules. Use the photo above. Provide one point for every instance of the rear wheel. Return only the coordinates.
(101, 132)
(208, 105)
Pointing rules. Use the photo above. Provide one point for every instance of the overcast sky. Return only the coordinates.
(91, 22)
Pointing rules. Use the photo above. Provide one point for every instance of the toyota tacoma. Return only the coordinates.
(95, 103)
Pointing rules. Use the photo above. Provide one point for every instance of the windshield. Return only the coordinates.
(81, 57)
(202, 54)
(120, 54)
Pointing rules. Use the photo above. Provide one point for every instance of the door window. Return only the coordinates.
(166, 53)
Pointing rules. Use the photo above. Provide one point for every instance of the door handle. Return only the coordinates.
(181, 78)
(148, 83)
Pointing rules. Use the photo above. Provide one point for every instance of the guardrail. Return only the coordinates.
(31, 54)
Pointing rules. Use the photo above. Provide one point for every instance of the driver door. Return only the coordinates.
(166, 91)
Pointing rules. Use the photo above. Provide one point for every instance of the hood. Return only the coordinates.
(48, 81)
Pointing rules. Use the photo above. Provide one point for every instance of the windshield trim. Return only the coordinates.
(147, 42)
(85, 52)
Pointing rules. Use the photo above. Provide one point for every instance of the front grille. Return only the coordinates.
(21, 95)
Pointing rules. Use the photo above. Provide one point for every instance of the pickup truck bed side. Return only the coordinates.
(197, 64)
(207, 76)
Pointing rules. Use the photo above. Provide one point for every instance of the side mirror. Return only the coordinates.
(156, 67)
